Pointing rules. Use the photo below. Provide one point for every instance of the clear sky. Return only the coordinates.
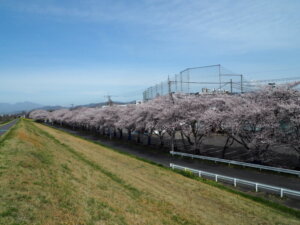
(77, 51)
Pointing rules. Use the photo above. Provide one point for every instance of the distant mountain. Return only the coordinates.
(51, 108)
(7, 108)
(94, 105)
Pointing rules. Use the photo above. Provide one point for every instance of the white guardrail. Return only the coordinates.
(261, 167)
(235, 181)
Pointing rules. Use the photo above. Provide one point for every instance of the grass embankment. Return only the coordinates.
(50, 177)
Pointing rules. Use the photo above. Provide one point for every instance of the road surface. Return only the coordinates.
(6, 127)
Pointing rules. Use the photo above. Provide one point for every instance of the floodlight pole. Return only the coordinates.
(109, 101)
(220, 85)
(242, 84)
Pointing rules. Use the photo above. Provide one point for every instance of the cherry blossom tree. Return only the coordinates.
(246, 122)
(286, 107)
(40, 115)
(126, 122)
(58, 115)
(256, 120)
(194, 119)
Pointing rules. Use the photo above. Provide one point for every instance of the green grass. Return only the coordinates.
(50, 177)
(261, 200)
(82, 158)
(266, 202)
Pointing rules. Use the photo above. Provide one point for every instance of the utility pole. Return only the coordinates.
(176, 83)
(169, 89)
(109, 101)
(242, 84)
(220, 82)
(169, 85)
(188, 81)
(181, 82)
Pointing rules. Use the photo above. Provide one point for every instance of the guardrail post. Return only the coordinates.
(234, 182)
(281, 192)
(256, 187)
(216, 178)
(199, 173)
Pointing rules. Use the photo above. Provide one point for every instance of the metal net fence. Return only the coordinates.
(213, 79)
(206, 79)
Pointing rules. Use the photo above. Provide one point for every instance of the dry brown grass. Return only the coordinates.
(49, 177)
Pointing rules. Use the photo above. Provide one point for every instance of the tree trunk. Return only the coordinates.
(197, 143)
(228, 143)
(120, 133)
(161, 140)
(129, 135)
(149, 139)
(138, 137)
(196, 147)
(110, 133)
(189, 140)
(172, 142)
(182, 140)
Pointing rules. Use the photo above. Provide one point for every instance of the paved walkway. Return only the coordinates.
(6, 127)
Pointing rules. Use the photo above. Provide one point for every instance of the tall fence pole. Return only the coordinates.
(220, 85)
(188, 81)
(169, 86)
(181, 82)
(242, 83)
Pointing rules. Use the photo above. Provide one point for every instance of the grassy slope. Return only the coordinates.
(49, 177)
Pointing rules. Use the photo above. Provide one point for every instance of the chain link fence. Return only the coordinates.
(211, 79)
(206, 79)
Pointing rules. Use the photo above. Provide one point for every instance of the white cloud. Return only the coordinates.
(234, 25)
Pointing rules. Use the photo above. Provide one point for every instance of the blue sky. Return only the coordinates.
(63, 52)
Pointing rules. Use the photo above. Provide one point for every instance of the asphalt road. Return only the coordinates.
(6, 127)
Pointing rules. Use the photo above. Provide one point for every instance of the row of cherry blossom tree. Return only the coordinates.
(257, 121)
